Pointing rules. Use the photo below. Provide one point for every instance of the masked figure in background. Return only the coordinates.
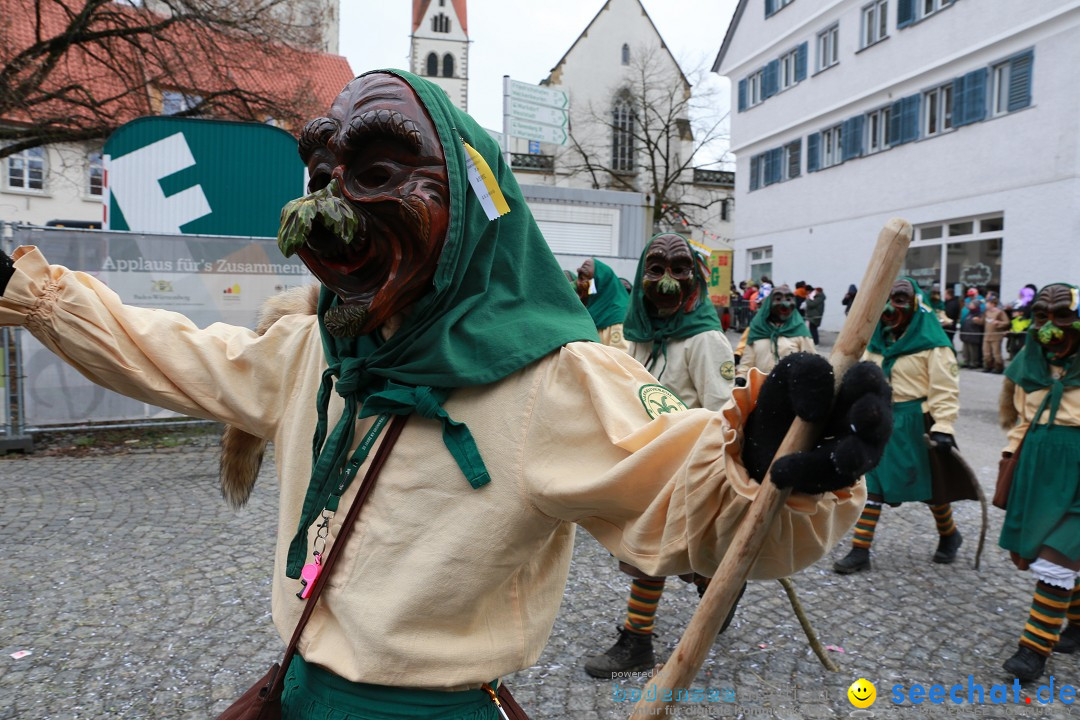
(777, 330)
(918, 360)
(450, 310)
(674, 332)
(605, 298)
(1041, 410)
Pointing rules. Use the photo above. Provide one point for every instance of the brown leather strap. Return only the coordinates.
(391, 436)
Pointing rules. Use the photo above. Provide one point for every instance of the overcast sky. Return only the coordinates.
(525, 38)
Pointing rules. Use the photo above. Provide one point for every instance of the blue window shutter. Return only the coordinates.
(1020, 80)
(770, 7)
(959, 102)
(910, 129)
(754, 162)
(770, 82)
(742, 95)
(975, 92)
(800, 61)
(813, 152)
(905, 13)
(896, 124)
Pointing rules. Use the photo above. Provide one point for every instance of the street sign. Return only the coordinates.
(536, 131)
(538, 113)
(537, 95)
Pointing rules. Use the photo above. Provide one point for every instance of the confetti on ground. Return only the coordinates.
(762, 645)
(20, 654)
(834, 648)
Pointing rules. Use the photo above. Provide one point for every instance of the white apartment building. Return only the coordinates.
(959, 116)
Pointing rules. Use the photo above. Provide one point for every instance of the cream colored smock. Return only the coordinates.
(612, 337)
(1027, 404)
(443, 586)
(932, 374)
(759, 354)
(699, 369)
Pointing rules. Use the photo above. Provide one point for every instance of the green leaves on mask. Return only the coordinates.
(325, 205)
(668, 285)
(1049, 333)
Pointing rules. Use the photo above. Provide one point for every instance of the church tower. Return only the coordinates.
(439, 46)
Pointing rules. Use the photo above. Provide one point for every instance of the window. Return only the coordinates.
(754, 88)
(95, 180)
(875, 22)
(725, 209)
(625, 54)
(432, 65)
(828, 52)
(760, 263)
(1011, 88)
(938, 116)
(448, 65)
(622, 136)
(440, 23)
(174, 101)
(26, 170)
(832, 149)
(773, 6)
(877, 130)
(909, 12)
(788, 65)
(792, 160)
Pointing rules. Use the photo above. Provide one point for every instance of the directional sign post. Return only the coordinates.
(535, 113)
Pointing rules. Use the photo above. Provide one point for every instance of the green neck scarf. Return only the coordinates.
(922, 333)
(1031, 370)
(640, 326)
(499, 302)
(608, 306)
(761, 328)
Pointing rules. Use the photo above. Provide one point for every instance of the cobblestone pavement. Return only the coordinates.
(139, 594)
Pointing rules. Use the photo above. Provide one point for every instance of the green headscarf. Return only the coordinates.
(761, 328)
(1031, 370)
(640, 326)
(922, 333)
(608, 306)
(499, 301)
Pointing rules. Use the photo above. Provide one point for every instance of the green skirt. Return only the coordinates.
(1044, 500)
(312, 693)
(903, 475)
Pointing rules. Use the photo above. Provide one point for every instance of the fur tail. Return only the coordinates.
(242, 453)
(1007, 413)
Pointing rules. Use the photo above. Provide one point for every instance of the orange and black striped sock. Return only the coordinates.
(641, 607)
(943, 518)
(1073, 613)
(1048, 608)
(865, 526)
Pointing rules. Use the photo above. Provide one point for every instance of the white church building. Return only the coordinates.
(959, 116)
(439, 46)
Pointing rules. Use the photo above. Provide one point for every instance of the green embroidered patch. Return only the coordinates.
(727, 370)
(658, 400)
(954, 370)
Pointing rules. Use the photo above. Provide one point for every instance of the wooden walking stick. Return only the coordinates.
(681, 669)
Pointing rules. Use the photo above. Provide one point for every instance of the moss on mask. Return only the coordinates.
(327, 207)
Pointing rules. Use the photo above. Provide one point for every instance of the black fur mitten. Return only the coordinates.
(856, 429)
(7, 269)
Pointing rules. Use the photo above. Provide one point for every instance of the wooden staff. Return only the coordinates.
(684, 664)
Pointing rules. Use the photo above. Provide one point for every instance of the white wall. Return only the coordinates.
(65, 196)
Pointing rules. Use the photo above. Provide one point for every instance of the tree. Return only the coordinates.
(650, 137)
(75, 70)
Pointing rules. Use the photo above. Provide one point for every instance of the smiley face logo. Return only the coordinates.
(862, 693)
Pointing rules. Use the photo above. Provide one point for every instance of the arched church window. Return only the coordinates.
(432, 65)
(440, 23)
(622, 135)
(448, 65)
(625, 54)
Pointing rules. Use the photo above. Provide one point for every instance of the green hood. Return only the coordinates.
(499, 302)
(924, 332)
(1031, 370)
(608, 305)
(641, 327)
(761, 328)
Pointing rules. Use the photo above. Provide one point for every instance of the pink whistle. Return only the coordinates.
(308, 574)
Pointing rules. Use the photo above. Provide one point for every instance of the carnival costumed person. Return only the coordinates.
(451, 311)
(920, 364)
(1041, 408)
(606, 299)
(674, 332)
(777, 330)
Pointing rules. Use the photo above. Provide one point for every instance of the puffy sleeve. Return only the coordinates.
(1023, 420)
(666, 494)
(943, 393)
(222, 372)
(804, 344)
(712, 368)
